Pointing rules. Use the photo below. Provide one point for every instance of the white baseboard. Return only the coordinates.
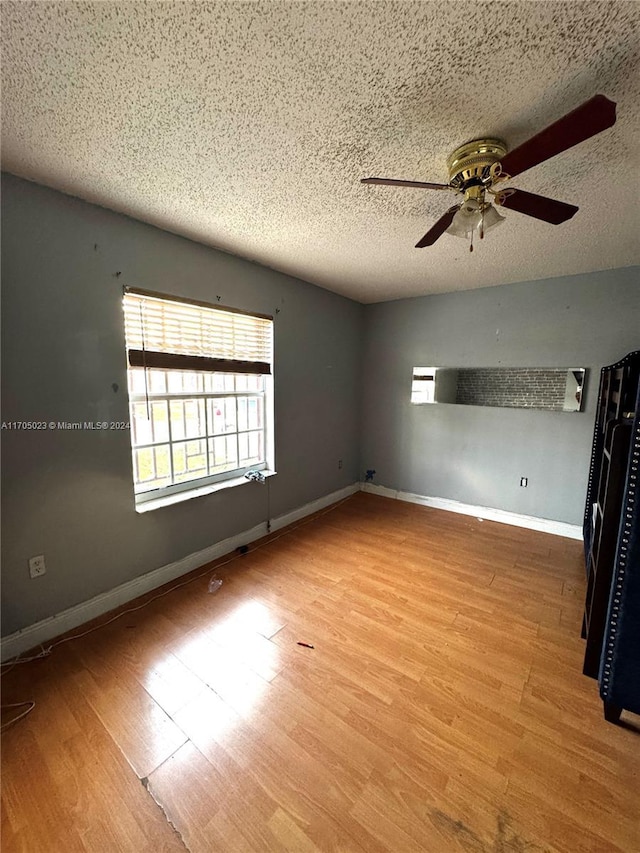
(545, 525)
(314, 506)
(32, 636)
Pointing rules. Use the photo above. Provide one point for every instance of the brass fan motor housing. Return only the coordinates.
(473, 161)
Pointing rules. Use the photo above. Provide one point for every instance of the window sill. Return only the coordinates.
(188, 494)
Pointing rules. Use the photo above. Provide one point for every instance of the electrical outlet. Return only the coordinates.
(37, 566)
(524, 482)
(339, 463)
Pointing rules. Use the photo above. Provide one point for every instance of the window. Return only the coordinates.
(200, 393)
(423, 386)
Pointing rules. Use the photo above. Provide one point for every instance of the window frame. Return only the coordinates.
(209, 482)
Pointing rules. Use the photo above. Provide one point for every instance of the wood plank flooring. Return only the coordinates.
(442, 708)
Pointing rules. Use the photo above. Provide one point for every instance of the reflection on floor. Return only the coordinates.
(441, 709)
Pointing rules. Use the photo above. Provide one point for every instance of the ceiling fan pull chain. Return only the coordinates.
(471, 243)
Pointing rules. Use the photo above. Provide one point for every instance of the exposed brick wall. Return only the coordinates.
(522, 388)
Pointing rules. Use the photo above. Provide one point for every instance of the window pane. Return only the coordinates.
(152, 467)
(149, 423)
(192, 382)
(178, 420)
(159, 421)
(215, 382)
(184, 382)
(163, 464)
(189, 460)
(141, 432)
(223, 453)
(144, 465)
(187, 419)
(254, 413)
(156, 381)
(179, 459)
(222, 415)
(137, 382)
(174, 382)
(255, 446)
(250, 448)
(194, 418)
(242, 414)
(197, 437)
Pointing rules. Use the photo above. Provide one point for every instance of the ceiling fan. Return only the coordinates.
(476, 167)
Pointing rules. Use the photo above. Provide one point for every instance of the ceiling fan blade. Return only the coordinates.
(393, 182)
(586, 121)
(538, 206)
(439, 228)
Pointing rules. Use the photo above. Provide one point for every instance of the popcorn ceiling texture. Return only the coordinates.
(247, 126)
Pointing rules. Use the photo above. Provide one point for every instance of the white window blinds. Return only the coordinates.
(173, 334)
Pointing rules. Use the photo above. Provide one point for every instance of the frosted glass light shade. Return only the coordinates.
(469, 218)
(466, 219)
(491, 217)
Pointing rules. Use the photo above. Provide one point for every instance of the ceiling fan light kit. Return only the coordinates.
(477, 166)
(473, 217)
(466, 220)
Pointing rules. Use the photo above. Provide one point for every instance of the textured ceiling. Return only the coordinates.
(247, 126)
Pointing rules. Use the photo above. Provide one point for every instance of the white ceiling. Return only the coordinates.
(247, 126)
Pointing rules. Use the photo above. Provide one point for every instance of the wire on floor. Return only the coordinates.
(47, 650)
(30, 706)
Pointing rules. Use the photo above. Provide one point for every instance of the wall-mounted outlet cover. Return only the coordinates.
(524, 482)
(37, 566)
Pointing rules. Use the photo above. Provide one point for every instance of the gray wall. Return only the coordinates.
(69, 495)
(477, 455)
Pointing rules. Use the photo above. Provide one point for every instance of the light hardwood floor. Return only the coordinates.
(441, 709)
